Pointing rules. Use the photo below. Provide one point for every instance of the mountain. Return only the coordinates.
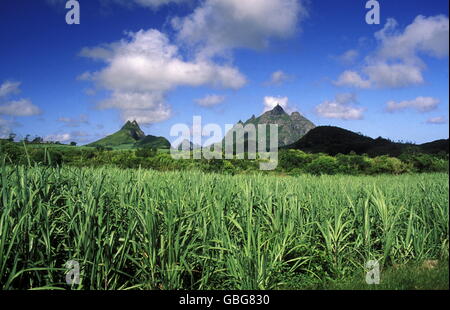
(437, 146)
(192, 146)
(131, 136)
(290, 127)
(153, 142)
(334, 140)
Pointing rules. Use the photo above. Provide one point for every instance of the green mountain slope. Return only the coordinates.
(131, 136)
(153, 142)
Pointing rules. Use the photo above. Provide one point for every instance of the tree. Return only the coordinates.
(324, 164)
(73, 143)
(37, 140)
(11, 137)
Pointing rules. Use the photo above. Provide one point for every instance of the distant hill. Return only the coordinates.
(131, 136)
(290, 127)
(335, 140)
(436, 146)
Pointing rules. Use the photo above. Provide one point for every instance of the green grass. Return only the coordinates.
(407, 277)
(141, 229)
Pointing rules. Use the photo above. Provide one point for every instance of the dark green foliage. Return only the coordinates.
(426, 162)
(436, 147)
(385, 164)
(143, 229)
(146, 152)
(293, 162)
(323, 165)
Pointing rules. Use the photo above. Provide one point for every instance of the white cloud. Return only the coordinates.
(22, 107)
(277, 78)
(218, 26)
(427, 35)
(143, 68)
(437, 120)
(398, 60)
(272, 102)
(77, 136)
(421, 104)
(352, 79)
(383, 75)
(62, 137)
(144, 107)
(341, 108)
(9, 88)
(210, 100)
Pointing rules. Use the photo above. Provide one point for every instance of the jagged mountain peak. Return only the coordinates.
(290, 127)
(278, 110)
(131, 125)
(134, 130)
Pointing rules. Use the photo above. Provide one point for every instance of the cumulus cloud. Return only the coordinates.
(210, 100)
(8, 88)
(272, 102)
(341, 108)
(383, 75)
(143, 107)
(420, 104)
(278, 78)
(22, 107)
(141, 70)
(352, 79)
(218, 26)
(440, 120)
(398, 62)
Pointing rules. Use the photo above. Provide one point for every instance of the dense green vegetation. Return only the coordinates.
(292, 162)
(144, 229)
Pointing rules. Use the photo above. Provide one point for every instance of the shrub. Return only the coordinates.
(386, 164)
(323, 165)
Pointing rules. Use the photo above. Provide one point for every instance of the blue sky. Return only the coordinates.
(163, 61)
